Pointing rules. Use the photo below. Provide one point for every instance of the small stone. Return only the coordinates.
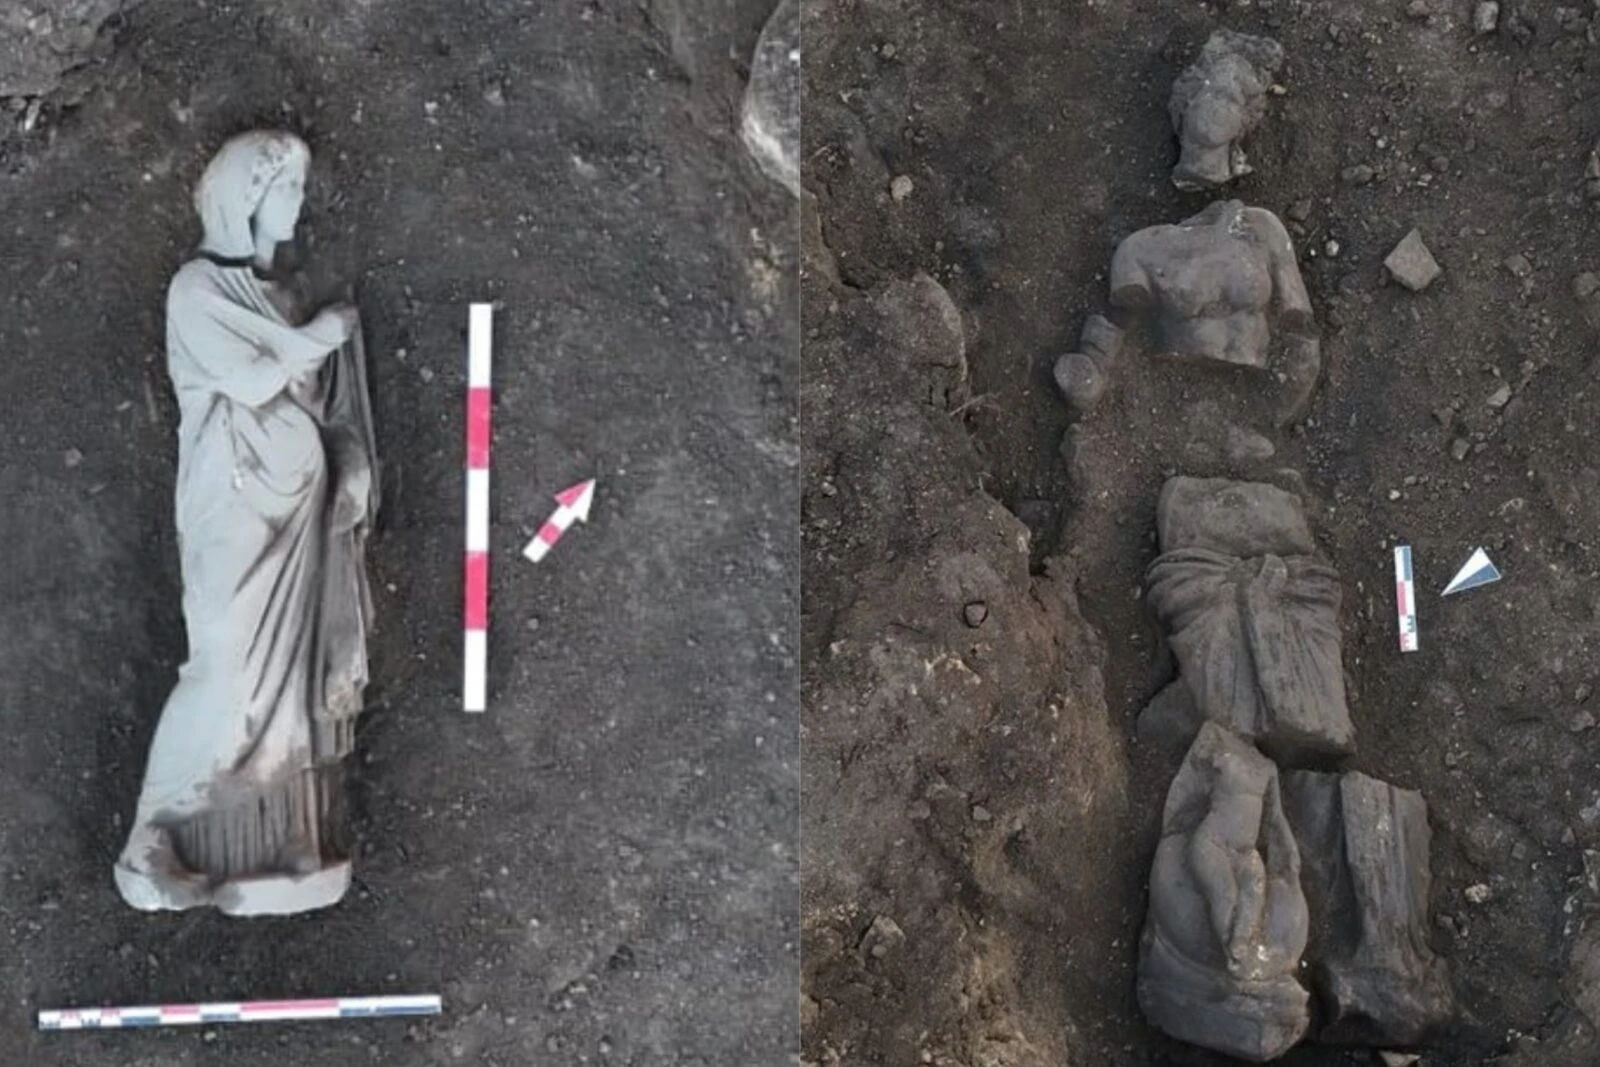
(981, 814)
(1459, 448)
(1398, 1059)
(1300, 210)
(425, 373)
(1485, 17)
(1411, 264)
(883, 937)
(901, 186)
(1500, 397)
(975, 613)
(1332, 248)
(72, 457)
(1568, 838)
(494, 95)
(1586, 285)
(1582, 721)
(1394, 494)
(1417, 9)
(1518, 265)
(1582, 692)
(1245, 446)
(1360, 174)
(1478, 894)
(209, 1036)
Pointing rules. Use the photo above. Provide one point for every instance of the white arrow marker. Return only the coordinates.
(574, 508)
(1478, 570)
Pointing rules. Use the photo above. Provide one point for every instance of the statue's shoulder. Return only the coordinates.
(196, 278)
(199, 272)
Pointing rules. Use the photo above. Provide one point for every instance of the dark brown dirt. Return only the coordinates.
(601, 870)
(1035, 137)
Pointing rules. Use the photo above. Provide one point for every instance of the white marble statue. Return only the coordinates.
(241, 806)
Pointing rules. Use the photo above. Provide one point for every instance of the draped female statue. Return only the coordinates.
(276, 492)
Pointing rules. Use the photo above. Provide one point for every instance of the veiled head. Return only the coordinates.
(254, 183)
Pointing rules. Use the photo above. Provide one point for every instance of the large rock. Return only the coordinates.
(1252, 615)
(771, 124)
(1364, 856)
(1227, 922)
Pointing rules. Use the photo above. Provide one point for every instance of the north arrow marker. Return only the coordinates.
(574, 508)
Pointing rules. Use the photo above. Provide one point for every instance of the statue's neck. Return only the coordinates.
(266, 252)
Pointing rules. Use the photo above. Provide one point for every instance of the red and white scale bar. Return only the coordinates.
(1405, 596)
(475, 682)
(248, 1011)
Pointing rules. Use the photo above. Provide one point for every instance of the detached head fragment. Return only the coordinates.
(1216, 103)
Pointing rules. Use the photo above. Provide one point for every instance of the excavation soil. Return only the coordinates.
(978, 817)
(600, 869)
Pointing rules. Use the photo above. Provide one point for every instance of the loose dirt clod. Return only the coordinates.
(1485, 17)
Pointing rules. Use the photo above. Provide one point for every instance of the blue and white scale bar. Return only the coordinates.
(249, 1011)
(1405, 597)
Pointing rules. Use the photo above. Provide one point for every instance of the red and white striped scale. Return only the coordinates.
(248, 1011)
(1405, 596)
(573, 507)
(475, 683)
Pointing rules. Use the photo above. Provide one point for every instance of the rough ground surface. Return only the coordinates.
(1029, 138)
(42, 40)
(601, 870)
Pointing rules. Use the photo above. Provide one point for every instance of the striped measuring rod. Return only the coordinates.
(475, 645)
(1405, 596)
(247, 1011)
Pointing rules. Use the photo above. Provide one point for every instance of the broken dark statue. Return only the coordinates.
(1364, 854)
(1217, 285)
(1216, 103)
(1252, 615)
(1227, 921)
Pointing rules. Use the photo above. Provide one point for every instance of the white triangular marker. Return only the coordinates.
(1478, 570)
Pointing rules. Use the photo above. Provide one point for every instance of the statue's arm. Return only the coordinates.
(1130, 283)
(1294, 303)
(246, 356)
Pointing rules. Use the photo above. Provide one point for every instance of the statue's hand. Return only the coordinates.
(338, 320)
(347, 512)
(352, 489)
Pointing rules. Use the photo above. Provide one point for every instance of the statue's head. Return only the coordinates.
(251, 192)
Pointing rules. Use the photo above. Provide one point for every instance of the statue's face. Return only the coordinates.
(280, 208)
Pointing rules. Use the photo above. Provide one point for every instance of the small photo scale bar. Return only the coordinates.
(1405, 595)
(254, 1011)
